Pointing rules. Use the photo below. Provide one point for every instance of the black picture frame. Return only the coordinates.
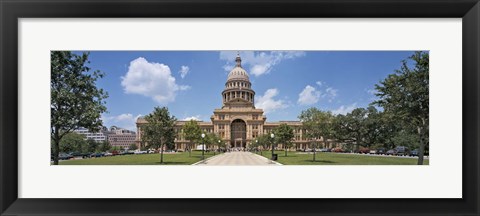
(11, 11)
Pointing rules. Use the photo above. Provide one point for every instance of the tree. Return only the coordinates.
(284, 135)
(326, 126)
(92, 146)
(342, 130)
(372, 127)
(222, 146)
(192, 133)
(115, 148)
(159, 129)
(132, 146)
(318, 124)
(211, 140)
(405, 94)
(405, 138)
(75, 100)
(352, 128)
(105, 146)
(72, 142)
(356, 120)
(264, 142)
(254, 145)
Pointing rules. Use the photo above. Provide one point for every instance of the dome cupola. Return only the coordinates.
(238, 91)
(238, 73)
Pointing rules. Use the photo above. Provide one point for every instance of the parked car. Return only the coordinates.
(140, 152)
(364, 150)
(373, 151)
(402, 151)
(75, 154)
(413, 153)
(391, 152)
(98, 154)
(127, 153)
(337, 150)
(107, 154)
(151, 151)
(78, 154)
(64, 156)
(324, 150)
(380, 151)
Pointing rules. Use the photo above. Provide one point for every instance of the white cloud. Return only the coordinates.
(184, 71)
(184, 87)
(151, 79)
(259, 62)
(331, 93)
(308, 96)
(125, 120)
(344, 109)
(268, 103)
(311, 95)
(371, 91)
(196, 118)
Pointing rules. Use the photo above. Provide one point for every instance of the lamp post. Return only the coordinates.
(273, 143)
(203, 146)
(218, 147)
(256, 146)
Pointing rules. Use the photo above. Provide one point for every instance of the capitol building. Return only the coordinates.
(238, 123)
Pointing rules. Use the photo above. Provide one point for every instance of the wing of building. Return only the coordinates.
(237, 122)
(116, 136)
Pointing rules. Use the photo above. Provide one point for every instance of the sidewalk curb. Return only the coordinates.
(203, 161)
(270, 161)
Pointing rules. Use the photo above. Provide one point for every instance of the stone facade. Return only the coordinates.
(238, 122)
(122, 140)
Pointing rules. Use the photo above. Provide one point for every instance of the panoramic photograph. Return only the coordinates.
(239, 108)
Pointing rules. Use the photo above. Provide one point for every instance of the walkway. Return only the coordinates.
(237, 159)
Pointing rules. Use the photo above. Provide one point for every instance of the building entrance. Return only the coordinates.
(238, 133)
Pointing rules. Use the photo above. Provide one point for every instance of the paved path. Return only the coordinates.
(237, 159)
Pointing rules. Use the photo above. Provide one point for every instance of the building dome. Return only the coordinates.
(238, 89)
(238, 73)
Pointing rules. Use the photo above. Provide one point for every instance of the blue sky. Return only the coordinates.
(190, 83)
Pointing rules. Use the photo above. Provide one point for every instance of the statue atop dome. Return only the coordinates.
(238, 60)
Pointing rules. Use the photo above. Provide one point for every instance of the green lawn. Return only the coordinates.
(142, 159)
(328, 158)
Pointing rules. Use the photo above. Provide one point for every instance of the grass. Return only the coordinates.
(180, 158)
(329, 158)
